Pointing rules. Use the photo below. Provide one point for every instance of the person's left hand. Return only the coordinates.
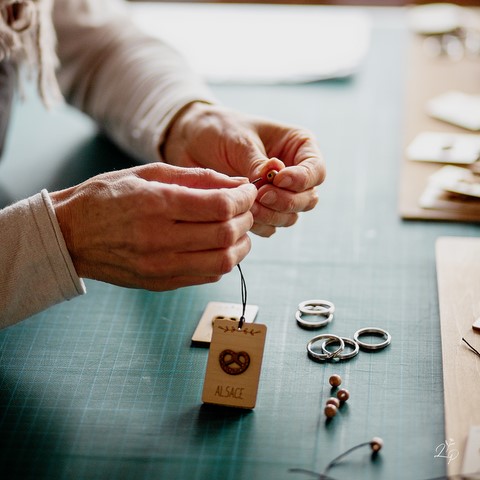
(230, 142)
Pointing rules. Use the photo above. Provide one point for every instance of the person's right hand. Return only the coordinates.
(157, 226)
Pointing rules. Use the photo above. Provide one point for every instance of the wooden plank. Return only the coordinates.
(458, 274)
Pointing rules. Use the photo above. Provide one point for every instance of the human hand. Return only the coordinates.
(230, 142)
(157, 226)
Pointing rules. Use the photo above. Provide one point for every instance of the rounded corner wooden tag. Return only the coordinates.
(234, 364)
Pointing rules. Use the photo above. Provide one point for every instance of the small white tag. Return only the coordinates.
(468, 186)
(471, 458)
(457, 108)
(455, 148)
(234, 364)
(458, 180)
(220, 310)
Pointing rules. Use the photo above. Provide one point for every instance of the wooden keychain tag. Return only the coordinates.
(234, 364)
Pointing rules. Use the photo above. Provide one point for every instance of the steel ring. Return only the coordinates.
(317, 307)
(324, 356)
(316, 323)
(374, 331)
(342, 356)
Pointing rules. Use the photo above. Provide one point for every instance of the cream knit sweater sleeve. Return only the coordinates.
(37, 270)
(133, 86)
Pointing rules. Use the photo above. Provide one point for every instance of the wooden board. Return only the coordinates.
(458, 274)
(428, 77)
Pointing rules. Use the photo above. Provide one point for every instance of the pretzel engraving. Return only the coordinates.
(234, 363)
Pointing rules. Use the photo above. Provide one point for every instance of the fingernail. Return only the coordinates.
(285, 182)
(269, 198)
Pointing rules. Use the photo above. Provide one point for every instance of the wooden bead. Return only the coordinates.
(343, 395)
(330, 410)
(376, 444)
(335, 380)
(271, 174)
(333, 401)
(269, 177)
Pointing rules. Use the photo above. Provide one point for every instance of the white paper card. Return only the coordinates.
(451, 179)
(457, 108)
(454, 148)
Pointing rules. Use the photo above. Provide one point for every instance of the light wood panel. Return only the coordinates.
(458, 272)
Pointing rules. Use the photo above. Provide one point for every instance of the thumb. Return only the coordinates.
(250, 159)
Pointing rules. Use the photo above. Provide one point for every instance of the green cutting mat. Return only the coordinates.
(107, 386)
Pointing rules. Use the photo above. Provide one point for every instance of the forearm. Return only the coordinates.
(131, 84)
(36, 269)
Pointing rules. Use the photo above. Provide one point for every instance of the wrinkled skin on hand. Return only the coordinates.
(233, 143)
(157, 226)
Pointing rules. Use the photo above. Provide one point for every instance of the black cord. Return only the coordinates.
(243, 287)
(325, 476)
(472, 348)
(344, 454)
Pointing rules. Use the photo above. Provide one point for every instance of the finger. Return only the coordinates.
(263, 230)
(282, 200)
(195, 237)
(195, 205)
(246, 153)
(126, 278)
(203, 178)
(179, 282)
(206, 263)
(267, 216)
(309, 172)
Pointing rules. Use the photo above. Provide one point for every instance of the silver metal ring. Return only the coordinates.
(374, 331)
(316, 307)
(315, 322)
(342, 356)
(325, 356)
